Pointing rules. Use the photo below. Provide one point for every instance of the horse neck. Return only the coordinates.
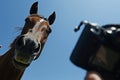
(7, 69)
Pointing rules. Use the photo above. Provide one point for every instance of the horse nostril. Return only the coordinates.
(20, 41)
(37, 49)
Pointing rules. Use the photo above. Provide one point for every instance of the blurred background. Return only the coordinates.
(54, 63)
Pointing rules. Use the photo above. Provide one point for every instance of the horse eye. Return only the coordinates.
(30, 30)
(27, 20)
(48, 31)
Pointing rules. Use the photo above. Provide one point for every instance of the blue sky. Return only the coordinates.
(54, 63)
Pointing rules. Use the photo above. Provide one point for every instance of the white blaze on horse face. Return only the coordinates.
(38, 31)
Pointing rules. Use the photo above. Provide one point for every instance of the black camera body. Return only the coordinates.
(98, 49)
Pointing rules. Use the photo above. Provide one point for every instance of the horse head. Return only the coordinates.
(29, 44)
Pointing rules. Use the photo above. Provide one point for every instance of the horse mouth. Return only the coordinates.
(22, 61)
(20, 65)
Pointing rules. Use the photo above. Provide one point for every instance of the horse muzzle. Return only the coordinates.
(26, 50)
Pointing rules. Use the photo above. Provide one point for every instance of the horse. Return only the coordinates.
(27, 46)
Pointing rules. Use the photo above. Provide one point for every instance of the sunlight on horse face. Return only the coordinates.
(32, 39)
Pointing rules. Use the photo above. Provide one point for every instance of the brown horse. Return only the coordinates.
(27, 46)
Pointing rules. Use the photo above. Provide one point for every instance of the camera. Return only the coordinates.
(98, 49)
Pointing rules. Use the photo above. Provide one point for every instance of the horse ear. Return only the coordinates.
(51, 18)
(34, 8)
